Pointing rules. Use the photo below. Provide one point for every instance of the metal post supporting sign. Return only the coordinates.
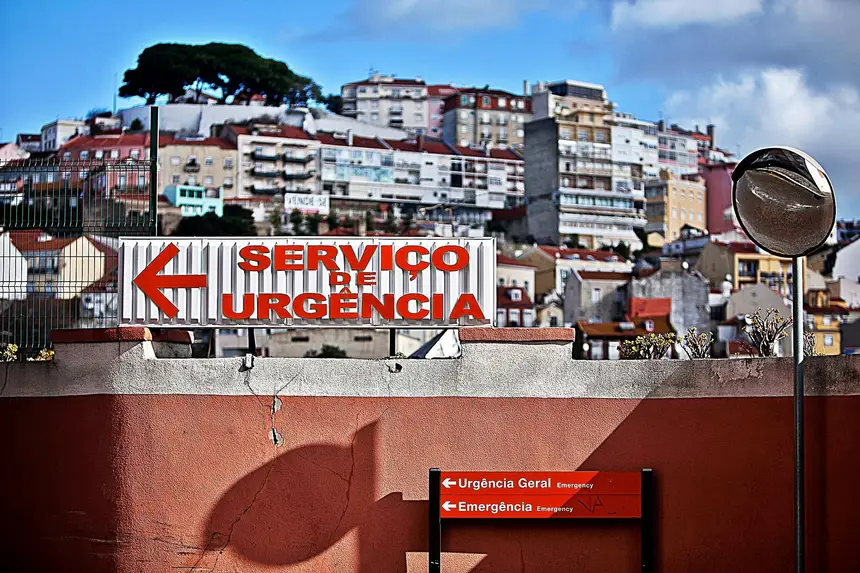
(541, 495)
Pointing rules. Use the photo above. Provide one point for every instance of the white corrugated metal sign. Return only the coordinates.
(308, 281)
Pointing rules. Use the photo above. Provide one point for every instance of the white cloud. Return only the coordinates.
(675, 13)
(778, 106)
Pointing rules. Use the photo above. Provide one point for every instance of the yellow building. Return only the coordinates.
(746, 265)
(824, 315)
(672, 202)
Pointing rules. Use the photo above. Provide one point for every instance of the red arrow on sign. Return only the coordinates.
(151, 283)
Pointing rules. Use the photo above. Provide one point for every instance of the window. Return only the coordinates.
(141, 181)
(464, 100)
(464, 129)
(68, 175)
(502, 102)
(85, 155)
(683, 195)
(374, 116)
(83, 174)
(175, 180)
(192, 180)
(828, 340)
(121, 181)
(49, 178)
(596, 295)
(192, 159)
(228, 163)
(114, 153)
(701, 217)
(521, 133)
(374, 104)
(175, 160)
(485, 100)
(683, 214)
(700, 196)
(100, 154)
(134, 154)
(520, 104)
(582, 135)
(209, 161)
(501, 282)
(67, 156)
(419, 117)
(826, 321)
(208, 180)
(515, 295)
(553, 321)
(565, 133)
(228, 182)
(674, 212)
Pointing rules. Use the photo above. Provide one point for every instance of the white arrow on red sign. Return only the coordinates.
(448, 505)
(448, 482)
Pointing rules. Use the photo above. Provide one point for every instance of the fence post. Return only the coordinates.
(153, 170)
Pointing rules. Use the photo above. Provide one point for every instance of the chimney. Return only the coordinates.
(349, 137)
(661, 125)
(420, 141)
(710, 129)
(525, 87)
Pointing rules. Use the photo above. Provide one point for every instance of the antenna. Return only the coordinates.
(115, 90)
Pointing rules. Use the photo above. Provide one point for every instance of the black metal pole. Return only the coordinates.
(799, 501)
(392, 341)
(153, 170)
(647, 521)
(252, 342)
(434, 525)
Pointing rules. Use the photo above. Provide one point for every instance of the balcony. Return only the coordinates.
(265, 190)
(396, 122)
(302, 176)
(228, 184)
(261, 155)
(302, 160)
(192, 167)
(503, 138)
(395, 112)
(264, 172)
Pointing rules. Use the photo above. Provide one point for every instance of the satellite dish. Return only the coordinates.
(784, 201)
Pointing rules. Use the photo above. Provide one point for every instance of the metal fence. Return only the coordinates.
(59, 224)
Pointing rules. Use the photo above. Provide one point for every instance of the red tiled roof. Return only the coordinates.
(613, 329)
(470, 151)
(509, 214)
(287, 131)
(564, 252)
(107, 141)
(740, 248)
(503, 260)
(404, 145)
(503, 299)
(165, 141)
(29, 241)
(436, 146)
(505, 154)
(650, 307)
(832, 309)
(357, 141)
(604, 276)
(441, 90)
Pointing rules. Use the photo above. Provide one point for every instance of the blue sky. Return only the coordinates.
(760, 69)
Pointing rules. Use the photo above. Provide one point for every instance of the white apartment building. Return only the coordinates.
(576, 190)
(57, 133)
(430, 179)
(677, 153)
(273, 159)
(388, 101)
(634, 141)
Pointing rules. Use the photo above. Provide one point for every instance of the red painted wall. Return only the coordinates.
(165, 483)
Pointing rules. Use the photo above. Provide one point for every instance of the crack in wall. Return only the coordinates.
(348, 482)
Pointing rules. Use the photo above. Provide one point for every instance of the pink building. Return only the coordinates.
(437, 95)
(718, 182)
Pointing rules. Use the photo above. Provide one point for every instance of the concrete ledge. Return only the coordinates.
(517, 335)
(89, 335)
(121, 334)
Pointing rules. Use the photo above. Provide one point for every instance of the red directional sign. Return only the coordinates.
(151, 283)
(541, 494)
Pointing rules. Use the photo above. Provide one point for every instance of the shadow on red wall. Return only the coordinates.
(724, 499)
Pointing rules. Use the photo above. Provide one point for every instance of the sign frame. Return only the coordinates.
(206, 259)
(645, 518)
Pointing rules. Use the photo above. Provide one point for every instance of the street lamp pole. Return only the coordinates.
(799, 494)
